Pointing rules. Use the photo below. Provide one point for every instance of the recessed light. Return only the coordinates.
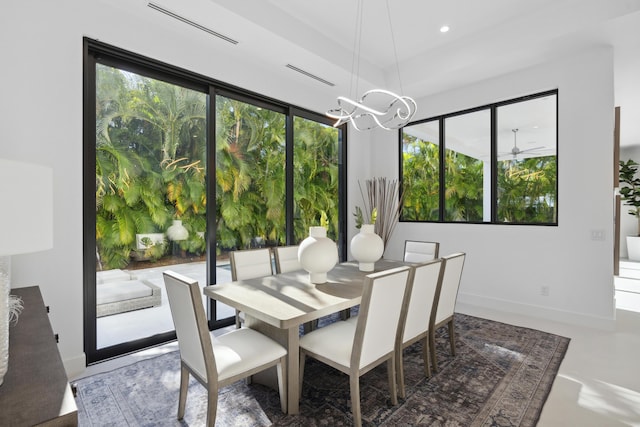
(444, 28)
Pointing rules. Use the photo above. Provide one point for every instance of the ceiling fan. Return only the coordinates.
(515, 151)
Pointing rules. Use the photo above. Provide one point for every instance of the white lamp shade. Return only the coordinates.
(26, 214)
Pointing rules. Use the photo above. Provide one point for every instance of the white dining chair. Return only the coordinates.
(357, 346)
(219, 361)
(418, 251)
(424, 287)
(249, 264)
(445, 312)
(286, 258)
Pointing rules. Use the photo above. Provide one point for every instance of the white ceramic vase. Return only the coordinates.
(633, 248)
(177, 231)
(318, 254)
(367, 247)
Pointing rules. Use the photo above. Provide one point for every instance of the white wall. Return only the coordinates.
(41, 111)
(507, 265)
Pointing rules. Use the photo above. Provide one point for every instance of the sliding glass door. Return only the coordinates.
(179, 171)
(250, 182)
(316, 172)
(150, 200)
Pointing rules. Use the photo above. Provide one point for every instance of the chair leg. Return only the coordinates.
(184, 386)
(391, 373)
(400, 371)
(212, 404)
(354, 384)
(281, 369)
(432, 350)
(452, 337)
(238, 319)
(425, 356)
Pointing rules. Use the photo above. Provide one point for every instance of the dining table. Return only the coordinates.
(279, 304)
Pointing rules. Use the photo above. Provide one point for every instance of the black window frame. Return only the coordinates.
(493, 108)
(95, 52)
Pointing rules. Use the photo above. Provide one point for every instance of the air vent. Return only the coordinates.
(193, 24)
(308, 74)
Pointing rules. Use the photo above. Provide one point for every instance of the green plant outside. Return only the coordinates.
(151, 169)
(526, 188)
(630, 193)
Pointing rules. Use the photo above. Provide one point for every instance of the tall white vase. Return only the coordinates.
(318, 254)
(367, 247)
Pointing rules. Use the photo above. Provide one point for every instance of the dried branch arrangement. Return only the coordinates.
(385, 197)
(15, 308)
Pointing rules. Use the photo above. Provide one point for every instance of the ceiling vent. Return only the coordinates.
(193, 24)
(308, 74)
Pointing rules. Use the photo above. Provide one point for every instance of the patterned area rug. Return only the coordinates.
(501, 376)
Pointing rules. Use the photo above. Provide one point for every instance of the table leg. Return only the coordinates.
(293, 370)
(290, 339)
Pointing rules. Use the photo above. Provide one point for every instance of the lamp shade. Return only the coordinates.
(26, 214)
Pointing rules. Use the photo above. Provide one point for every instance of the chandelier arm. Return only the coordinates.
(399, 110)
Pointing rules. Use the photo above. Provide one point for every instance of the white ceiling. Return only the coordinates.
(487, 38)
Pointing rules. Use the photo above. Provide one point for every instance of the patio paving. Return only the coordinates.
(133, 325)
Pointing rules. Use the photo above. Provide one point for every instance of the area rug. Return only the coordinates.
(501, 376)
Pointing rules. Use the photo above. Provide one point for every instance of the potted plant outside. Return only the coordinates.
(630, 194)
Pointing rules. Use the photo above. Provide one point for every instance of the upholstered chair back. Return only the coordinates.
(286, 258)
(379, 316)
(427, 279)
(194, 341)
(251, 263)
(450, 284)
(416, 251)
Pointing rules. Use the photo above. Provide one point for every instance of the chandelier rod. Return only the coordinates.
(354, 83)
(395, 51)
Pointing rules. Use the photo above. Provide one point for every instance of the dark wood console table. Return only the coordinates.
(36, 390)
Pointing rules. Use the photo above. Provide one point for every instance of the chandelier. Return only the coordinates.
(376, 107)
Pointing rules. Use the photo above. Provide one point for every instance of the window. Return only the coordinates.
(467, 178)
(421, 172)
(527, 162)
(493, 164)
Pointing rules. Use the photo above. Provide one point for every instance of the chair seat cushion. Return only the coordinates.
(243, 349)
(340, 333)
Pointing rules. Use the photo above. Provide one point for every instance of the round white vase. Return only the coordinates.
(318, 254)
(177, 231)
(367, 247)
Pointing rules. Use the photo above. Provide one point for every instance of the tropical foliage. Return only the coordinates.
(151, 164)
(526, 188)
(630, 193)
(315, 177)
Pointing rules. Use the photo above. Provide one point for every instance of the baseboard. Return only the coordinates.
(75, 365)
(477, 301)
